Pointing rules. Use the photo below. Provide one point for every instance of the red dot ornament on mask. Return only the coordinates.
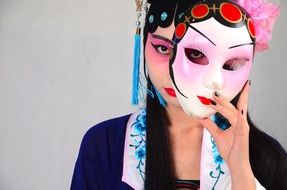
(230, 12)
(251, 28)
(200, 11)
(180, 30)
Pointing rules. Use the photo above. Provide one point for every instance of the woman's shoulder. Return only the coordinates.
(109, 125)
(106, 131)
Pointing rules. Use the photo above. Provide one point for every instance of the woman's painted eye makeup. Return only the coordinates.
(235, 64)
(161, 44)
(162, 49)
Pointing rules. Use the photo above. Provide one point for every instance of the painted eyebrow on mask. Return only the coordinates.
(202, 34)
(162, 38)
(241, 45)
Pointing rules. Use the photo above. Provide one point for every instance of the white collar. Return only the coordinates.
(214, 173)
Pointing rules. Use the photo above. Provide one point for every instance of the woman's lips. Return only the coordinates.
(170, 92)
(204, 100)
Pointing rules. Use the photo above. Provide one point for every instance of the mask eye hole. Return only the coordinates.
(196, 56)
(235, 64)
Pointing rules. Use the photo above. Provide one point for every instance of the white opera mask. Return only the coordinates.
(213, 51)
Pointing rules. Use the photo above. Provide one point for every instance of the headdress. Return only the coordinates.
(136, 62)
(137, 53)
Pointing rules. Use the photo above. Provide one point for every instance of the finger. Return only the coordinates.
(239, 120)
(225, 108)
(241, 134)
(244, 124)
(220, 99)
(242, 103)
(228, 114)
(213, 129)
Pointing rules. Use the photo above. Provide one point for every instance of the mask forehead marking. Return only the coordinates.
(222, 35)
(235, 46)
(202, 34)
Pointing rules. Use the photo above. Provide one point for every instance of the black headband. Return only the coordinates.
(162, 12)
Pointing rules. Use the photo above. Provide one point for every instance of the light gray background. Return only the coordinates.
(65, 65)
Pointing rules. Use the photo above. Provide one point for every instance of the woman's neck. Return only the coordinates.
(186, 140)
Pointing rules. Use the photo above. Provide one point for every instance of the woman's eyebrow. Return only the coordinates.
(162, 38)
(241, 45)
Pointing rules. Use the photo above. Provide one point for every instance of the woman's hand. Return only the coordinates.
(233, 143)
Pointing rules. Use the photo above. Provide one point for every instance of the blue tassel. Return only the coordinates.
(160, 98)
(136, 69)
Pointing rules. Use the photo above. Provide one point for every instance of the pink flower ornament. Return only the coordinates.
(264, 15)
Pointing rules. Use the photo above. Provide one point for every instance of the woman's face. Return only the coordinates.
(210, 57)
(158, 51)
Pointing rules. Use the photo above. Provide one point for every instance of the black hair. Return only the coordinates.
(268, 158)
(158, 7)
(159, 168)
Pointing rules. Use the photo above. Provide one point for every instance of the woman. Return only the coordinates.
(162, 147)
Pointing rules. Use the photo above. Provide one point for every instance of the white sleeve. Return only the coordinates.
(258, 185)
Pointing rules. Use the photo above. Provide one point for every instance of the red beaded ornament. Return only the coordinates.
(230, 12)
(251, 28)
(180, 30)
(200, 11)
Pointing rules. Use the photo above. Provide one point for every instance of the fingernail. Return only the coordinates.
(216, 94)
(247, 82)
(242, 112)
(213, 102)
